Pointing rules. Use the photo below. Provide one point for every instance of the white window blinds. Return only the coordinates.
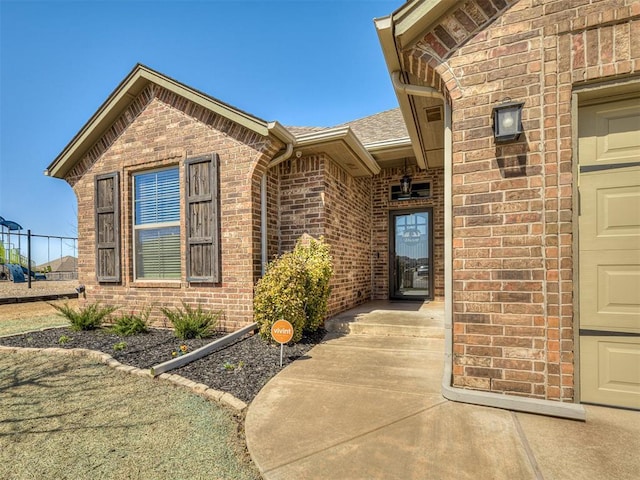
(157, 225)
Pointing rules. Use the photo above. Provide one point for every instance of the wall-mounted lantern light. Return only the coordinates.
(507, 121)
(405, 182)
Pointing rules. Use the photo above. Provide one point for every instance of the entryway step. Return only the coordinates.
(385, 319)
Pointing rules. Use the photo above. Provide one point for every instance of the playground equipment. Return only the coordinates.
(20, 268)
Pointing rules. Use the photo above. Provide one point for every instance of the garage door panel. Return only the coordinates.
(609, 241)
(610, 210)
(610, 371)
(610, 291)
(608, 133)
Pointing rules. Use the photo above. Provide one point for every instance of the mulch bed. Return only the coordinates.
(241, 368)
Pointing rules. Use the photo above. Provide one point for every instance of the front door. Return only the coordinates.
(411, 272)
(609, 185)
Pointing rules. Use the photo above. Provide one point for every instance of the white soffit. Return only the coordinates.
(343, 147)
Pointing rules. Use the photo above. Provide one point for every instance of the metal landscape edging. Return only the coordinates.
(201, 352)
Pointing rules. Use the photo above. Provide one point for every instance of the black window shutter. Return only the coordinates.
(107, 211)
(201, 199)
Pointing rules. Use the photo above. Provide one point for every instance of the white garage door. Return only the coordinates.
(609, 238)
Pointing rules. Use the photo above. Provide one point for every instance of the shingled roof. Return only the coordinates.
(295, 131)
(380, 127)
(383, 126)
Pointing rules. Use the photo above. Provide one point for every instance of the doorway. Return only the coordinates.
(411, 259)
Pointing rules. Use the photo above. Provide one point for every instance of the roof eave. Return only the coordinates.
(415, 17)
(399, 147)
(280, 132)
(388, 144)
(384, 27)
(346, 136)
(120, 98)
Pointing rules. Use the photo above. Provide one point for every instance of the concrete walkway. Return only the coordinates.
(367, 405)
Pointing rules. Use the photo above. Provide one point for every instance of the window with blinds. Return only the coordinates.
(156, 225)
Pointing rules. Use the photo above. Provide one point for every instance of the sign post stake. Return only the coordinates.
(282, 332)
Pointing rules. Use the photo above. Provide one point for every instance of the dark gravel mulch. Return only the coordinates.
(241, 368)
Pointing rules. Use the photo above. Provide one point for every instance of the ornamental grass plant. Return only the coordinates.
(89, 317)
(132, 323)
(189, 322)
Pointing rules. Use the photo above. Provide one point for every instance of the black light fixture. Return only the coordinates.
(405, 182)
(507, 121)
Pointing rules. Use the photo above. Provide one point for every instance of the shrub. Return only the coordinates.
(280, 295)
(132, 324)
(87, 318)
(295, 287)
(318, 268)
(190, 322)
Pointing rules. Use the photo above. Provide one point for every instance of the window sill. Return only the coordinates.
(157, 284)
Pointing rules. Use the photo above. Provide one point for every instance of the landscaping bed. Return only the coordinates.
(241, 368)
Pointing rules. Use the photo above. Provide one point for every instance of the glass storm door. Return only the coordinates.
(411, 260)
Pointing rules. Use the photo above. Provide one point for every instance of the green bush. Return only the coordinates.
(132, 324)
(295, 288)
(88, 318)
(190, 322)
(319, 268)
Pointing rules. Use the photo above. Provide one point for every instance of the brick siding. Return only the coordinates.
(309, 195)
(319, 198)
(161, 129)
(513, 204)
(348, 229)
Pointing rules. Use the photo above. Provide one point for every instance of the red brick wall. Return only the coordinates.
(382, 205)
(161, 129)
(347, 229)
(319, 198)
(273, 217)
(513, 204)
(301, 206)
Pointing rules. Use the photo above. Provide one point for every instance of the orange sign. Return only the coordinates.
(282, 331)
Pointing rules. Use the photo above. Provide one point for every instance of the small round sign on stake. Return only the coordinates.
(282, 332)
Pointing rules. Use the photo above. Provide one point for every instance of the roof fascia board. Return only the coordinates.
(346, 136)
(126, 91)
(281, 132)
(400, 147)
(384, 27)
(385, 144)
(414, 18)
(328, 134)
(362, 153)
(233, 114)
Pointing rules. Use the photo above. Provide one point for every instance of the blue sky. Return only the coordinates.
(298, 62)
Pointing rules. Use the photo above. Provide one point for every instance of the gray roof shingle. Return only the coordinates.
(387, 125)
(383, 126)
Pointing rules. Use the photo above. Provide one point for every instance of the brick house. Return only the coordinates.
(541, 228)
(182, 197)
(531, 239)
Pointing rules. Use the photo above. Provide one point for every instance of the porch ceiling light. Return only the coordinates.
(507, 121)
(405, 182)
